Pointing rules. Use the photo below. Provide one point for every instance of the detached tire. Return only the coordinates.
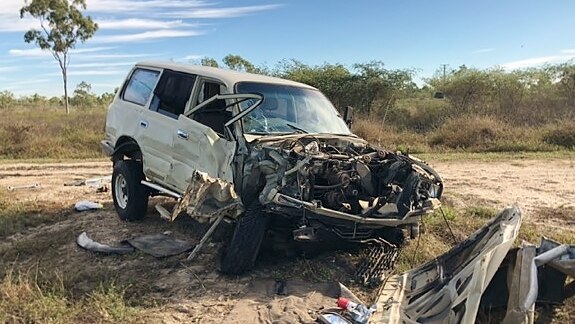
(242, 251)
(129, 195)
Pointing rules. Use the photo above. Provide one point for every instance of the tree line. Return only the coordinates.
(531, 96)
(82, 97)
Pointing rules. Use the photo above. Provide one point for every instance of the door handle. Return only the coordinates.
(144, 123)
(182, 134)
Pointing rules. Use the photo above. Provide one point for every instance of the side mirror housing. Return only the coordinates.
(348, 116)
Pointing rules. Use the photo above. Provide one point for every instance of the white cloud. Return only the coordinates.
(136, 23)
(145, 36)
(130, 6)
(536, 61)
(191, 58)
(33, 52)
(96, 72)
(11, 7)
(13, 23)
(99, 64)
(37, 52)
(130, 11)
(4, 69)
(568, 51)
(88, 73)
(88, 57)
(230, 12)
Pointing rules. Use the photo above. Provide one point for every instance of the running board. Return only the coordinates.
(161, 189)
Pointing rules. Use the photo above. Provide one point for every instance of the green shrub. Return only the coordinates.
(561, 135)
(420, 115)
(468, 132)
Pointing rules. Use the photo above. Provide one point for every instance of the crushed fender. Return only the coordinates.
(207, 198)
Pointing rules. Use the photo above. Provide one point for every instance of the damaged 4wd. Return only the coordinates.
(269, 155)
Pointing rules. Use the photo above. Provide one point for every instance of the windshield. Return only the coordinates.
(287, 109)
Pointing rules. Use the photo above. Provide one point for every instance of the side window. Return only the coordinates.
(208, 90)
(215, 114)
(172, 93)
(140, 86)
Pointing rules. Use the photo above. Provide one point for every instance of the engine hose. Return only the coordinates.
(335, 186)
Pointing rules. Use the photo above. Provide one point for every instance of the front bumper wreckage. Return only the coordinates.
(448, 289)
(339, 187)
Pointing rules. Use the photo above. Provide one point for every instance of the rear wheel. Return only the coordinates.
(241, 253)
(129, 195)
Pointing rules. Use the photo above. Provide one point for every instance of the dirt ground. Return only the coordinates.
(173, 290)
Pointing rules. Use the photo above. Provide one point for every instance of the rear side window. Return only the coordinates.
(140, 86)
(172, 93)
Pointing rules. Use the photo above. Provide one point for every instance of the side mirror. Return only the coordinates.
(348, 116)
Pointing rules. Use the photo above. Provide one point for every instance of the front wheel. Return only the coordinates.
(129, 195)
(241, 253)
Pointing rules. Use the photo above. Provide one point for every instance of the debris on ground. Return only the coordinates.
(356, 312)
(85, 205)
(29, 186)
(302, 302)
(158, 245)
(531, 275)
(87, 243)
(92, 182)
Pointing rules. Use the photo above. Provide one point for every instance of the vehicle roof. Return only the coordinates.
(227, 76)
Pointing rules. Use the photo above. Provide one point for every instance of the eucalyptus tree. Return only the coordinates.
(62, 26)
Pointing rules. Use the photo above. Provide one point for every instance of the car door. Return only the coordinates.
(160, 122)
(136, 122)
(199, 142)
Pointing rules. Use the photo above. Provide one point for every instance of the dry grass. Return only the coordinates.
(470, 133)
(49, 133)
(23, 299)
(16, 216)
(561, 134)
(484, 133)
(389, 137)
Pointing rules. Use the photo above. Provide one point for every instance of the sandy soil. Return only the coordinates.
(195, 292)
(533, 185)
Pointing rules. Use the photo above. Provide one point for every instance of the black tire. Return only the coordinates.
(129, 195)
(242, 251)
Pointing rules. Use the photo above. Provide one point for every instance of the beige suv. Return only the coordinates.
(269, 155)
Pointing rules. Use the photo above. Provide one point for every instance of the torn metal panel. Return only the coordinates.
(207, 198)
(520, 282)
(449, 288)
(565, 263)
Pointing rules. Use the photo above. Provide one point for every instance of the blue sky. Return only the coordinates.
(403, 34)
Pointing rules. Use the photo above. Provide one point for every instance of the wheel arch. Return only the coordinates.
(126, 146)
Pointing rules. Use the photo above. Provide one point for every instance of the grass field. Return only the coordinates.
(48, 133)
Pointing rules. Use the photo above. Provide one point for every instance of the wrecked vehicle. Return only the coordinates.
(265, 153)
